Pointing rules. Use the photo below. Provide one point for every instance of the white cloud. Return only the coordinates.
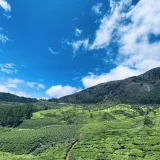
(120, 72)
(5, 5)
(18, 86)
(131, 27)
(53, 52)
(136, 50)
(41, 86)
(76, 45)
(108, 24)
(4, 39)
(35, 85)
(8, 68)
(112, 4)
(31, 84)
(78, 32)
(15, 81)
(97, 8)
(11, 85)
(3, 88)
(103, 35)
(6, 89)
(60, 91)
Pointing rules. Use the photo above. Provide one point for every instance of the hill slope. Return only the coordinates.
(7, 97)
(139, 89)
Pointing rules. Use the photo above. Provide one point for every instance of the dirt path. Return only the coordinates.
(71, 148)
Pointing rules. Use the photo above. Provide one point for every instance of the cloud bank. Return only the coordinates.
(17, 86)
(117, 73)
(135, 29)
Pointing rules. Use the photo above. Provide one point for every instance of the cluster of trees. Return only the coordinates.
(13, 115)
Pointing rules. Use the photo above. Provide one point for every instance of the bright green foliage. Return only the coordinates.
(84, 132)
(23, 141)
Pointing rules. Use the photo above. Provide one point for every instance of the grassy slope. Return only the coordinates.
(106, 133)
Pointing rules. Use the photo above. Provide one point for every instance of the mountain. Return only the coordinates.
(143, 89)
(7, 97)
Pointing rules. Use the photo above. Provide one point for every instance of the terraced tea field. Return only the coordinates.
(85, 133)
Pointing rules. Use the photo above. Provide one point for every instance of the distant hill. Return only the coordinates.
(143, 89)
(7, 97)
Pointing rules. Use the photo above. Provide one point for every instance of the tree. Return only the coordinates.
(13, 115)
(147, 121)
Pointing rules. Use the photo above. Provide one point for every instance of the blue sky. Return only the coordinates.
(55, 48)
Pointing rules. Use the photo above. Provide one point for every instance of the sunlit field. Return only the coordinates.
(85, 132)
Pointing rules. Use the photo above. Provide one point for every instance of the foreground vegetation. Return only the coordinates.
(78, 132)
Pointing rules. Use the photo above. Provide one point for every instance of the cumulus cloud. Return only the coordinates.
(5, 5)
(134, 28)
(108, 25)
(97, 8)
(120, 72)
(136, 48)
(60, 91)
(133, 37)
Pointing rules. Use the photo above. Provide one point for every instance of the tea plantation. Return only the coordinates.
(85, 132)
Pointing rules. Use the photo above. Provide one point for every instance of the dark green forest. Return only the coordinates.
(13, 114)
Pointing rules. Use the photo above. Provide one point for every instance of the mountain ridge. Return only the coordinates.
(144, 88)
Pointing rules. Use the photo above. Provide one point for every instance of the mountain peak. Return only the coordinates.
(153, 74)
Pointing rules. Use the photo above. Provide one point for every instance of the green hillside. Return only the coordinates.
(90, 132)
(7, 97)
